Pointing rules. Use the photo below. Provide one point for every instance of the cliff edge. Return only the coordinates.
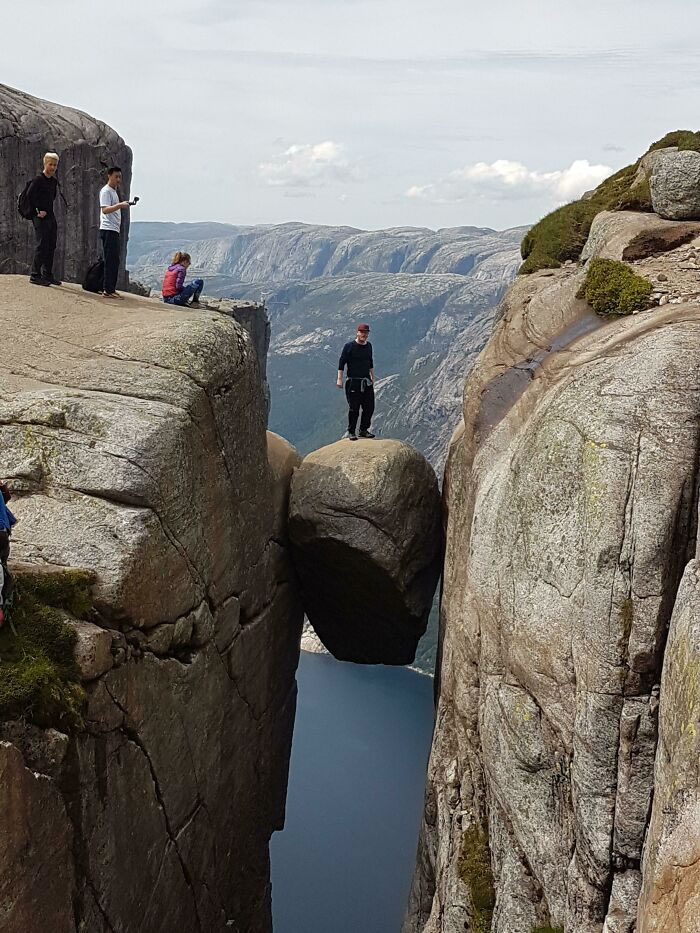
(133, 437)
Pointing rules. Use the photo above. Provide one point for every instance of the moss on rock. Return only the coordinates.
(39, 678)
(561, 235)
(611, 287)
(547, 930)
(474, 868)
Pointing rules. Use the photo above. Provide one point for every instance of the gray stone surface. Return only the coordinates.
(364, 524)
(36, 870)
(670, 901)
(675, 186)
(612, 231)
(29, 127)
(571, 517)
(93, 649)
(134, 440)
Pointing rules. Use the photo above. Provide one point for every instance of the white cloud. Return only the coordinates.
(309, 165)
(506, 179)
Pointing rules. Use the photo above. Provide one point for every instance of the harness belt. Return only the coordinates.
(364, 383)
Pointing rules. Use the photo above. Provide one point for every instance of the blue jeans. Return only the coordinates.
(193, 291)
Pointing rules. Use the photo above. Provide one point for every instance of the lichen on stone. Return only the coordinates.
(39, 678)
(611, 287)
(474, 868)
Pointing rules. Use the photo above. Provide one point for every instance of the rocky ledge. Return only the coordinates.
(134, 438)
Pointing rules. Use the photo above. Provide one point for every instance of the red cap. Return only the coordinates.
(364, 327)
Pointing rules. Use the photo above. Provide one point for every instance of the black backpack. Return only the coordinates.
(23, 205)
(94, 277)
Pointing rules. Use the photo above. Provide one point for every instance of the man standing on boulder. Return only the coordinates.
(110, 228)
(41, 194)
(359, 386)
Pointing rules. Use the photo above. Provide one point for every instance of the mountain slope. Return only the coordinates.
(430, 297)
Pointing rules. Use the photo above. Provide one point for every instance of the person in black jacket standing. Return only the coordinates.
(359, 386)
(41, 195)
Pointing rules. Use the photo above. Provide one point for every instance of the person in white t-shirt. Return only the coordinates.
(110, 226)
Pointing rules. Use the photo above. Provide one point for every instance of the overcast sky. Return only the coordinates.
(372, 113)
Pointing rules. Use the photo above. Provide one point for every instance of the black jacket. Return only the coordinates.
(358, 358)
(42, 193)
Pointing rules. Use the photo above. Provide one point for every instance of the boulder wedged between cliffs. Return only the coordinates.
(366, 538)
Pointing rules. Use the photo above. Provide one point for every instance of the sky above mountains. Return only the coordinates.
(371, 113)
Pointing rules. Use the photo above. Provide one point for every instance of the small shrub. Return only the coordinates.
(611, 287)
(474, 868)
(39, 679)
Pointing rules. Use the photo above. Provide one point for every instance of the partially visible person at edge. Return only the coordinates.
(110, 227)
(41, 195)
(175, 292)
(7, 521)
(359, 385)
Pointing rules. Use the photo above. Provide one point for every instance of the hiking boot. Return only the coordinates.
(34, 280)
(52, 280)
(350, 436)
(366, 434)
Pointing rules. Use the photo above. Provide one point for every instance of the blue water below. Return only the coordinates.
(344, 861)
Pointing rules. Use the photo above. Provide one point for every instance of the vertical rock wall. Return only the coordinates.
(134, 438)
(571, 495)
(29, 127)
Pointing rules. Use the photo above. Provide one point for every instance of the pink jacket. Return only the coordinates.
(174, 280)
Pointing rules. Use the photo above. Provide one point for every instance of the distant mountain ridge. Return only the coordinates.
(296, 251)
(429, 295)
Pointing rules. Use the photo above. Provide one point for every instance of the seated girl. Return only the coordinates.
(175, 292)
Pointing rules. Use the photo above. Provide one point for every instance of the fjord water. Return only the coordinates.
(344, 861)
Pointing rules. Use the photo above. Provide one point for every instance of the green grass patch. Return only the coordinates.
(611, 287)
(562, 234)
(474, 868)
(39, 679)
(684, 139)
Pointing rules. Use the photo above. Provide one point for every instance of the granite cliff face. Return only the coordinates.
(29, 127)
(430, 297)
(134, 439)
(571, 496)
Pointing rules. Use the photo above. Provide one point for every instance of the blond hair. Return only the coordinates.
(50, 155)
(181, 258)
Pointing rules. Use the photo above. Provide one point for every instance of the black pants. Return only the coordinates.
(110, 253)
(46, 230)
(360, 394)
